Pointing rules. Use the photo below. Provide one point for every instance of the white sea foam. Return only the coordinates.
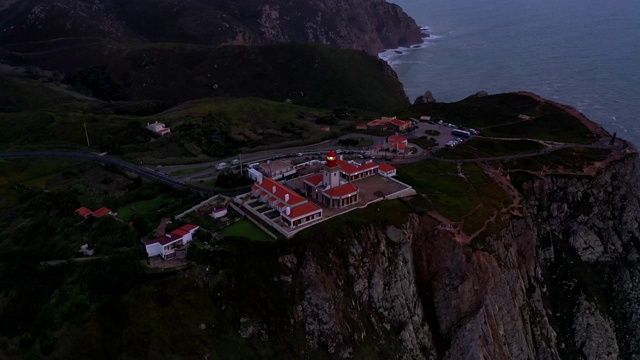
(391, 55)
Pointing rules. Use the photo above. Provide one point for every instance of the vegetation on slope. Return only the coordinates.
(307, 74)
(509, 115)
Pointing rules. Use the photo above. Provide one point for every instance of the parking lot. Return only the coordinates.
(442, 138)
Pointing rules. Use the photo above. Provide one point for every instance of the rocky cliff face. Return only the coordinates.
(33, 28)
(559, 282)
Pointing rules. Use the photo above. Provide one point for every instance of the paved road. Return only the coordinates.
(105, 159)
(163, 176)
(306, 150)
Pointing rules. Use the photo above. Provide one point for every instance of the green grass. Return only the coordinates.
(355, 142)
(474, 197)
(247, 229)
(553, 125)
(25, 94)
(498, 116)
(479, 147)
(142, 207)
(569, 159)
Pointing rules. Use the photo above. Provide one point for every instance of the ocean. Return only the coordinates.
(583, 53)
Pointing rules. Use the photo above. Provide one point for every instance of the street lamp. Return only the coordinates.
(86, 134)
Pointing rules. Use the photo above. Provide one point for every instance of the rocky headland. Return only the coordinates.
(558, 280)
(37, 32)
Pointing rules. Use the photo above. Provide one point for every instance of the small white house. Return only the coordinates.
(158, 128)
(86, 251)
(219, 212)
(167, 245)
(385, 169)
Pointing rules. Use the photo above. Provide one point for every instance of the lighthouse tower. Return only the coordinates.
(331, 171)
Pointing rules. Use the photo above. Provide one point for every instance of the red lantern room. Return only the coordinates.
(331, 159)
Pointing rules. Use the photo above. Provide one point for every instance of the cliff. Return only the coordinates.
(558, 282)
(34, 31)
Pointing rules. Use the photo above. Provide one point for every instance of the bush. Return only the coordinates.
(230, 180)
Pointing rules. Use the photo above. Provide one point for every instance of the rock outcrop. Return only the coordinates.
(425, 98)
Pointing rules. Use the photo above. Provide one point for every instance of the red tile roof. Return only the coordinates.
(400, 123)
(384, 167)
(314, 180)
(346, 167)
(101, 212)
(352, 169)
(396, 138)
(254, 188)
(179, 232)
(164, 240)
(377, 122)
(83, 211)
(281, 190)
(342, 190)
(189, 227)
(302, 211)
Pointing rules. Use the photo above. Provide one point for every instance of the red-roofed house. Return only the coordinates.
(102, 212)
(179, 232)
(84, 212)
(386, 123)
(398, 125)
(397, 143)
(301, 214)
(158, 128)
(219, 212)
(377, 123)
(294, 209)
(167, 245)
(386, 170)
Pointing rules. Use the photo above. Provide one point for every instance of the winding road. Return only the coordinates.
(179, 183)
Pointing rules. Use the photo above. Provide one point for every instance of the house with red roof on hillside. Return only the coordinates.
(86, 212)
(386, 123)
(167, 245)
(102, 212)
(158, 128)
(397, 143)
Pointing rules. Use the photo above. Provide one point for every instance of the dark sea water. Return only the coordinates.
(583, 53)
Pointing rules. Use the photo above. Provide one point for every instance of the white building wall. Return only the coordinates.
(255, 175)
(154, 249)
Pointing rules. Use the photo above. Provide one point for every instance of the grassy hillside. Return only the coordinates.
(508, 115)
(38, 115)
(307, 74)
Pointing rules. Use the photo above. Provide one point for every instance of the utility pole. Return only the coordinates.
(87, 135)
(240, 154)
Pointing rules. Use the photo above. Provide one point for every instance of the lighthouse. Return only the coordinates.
(331, 171)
